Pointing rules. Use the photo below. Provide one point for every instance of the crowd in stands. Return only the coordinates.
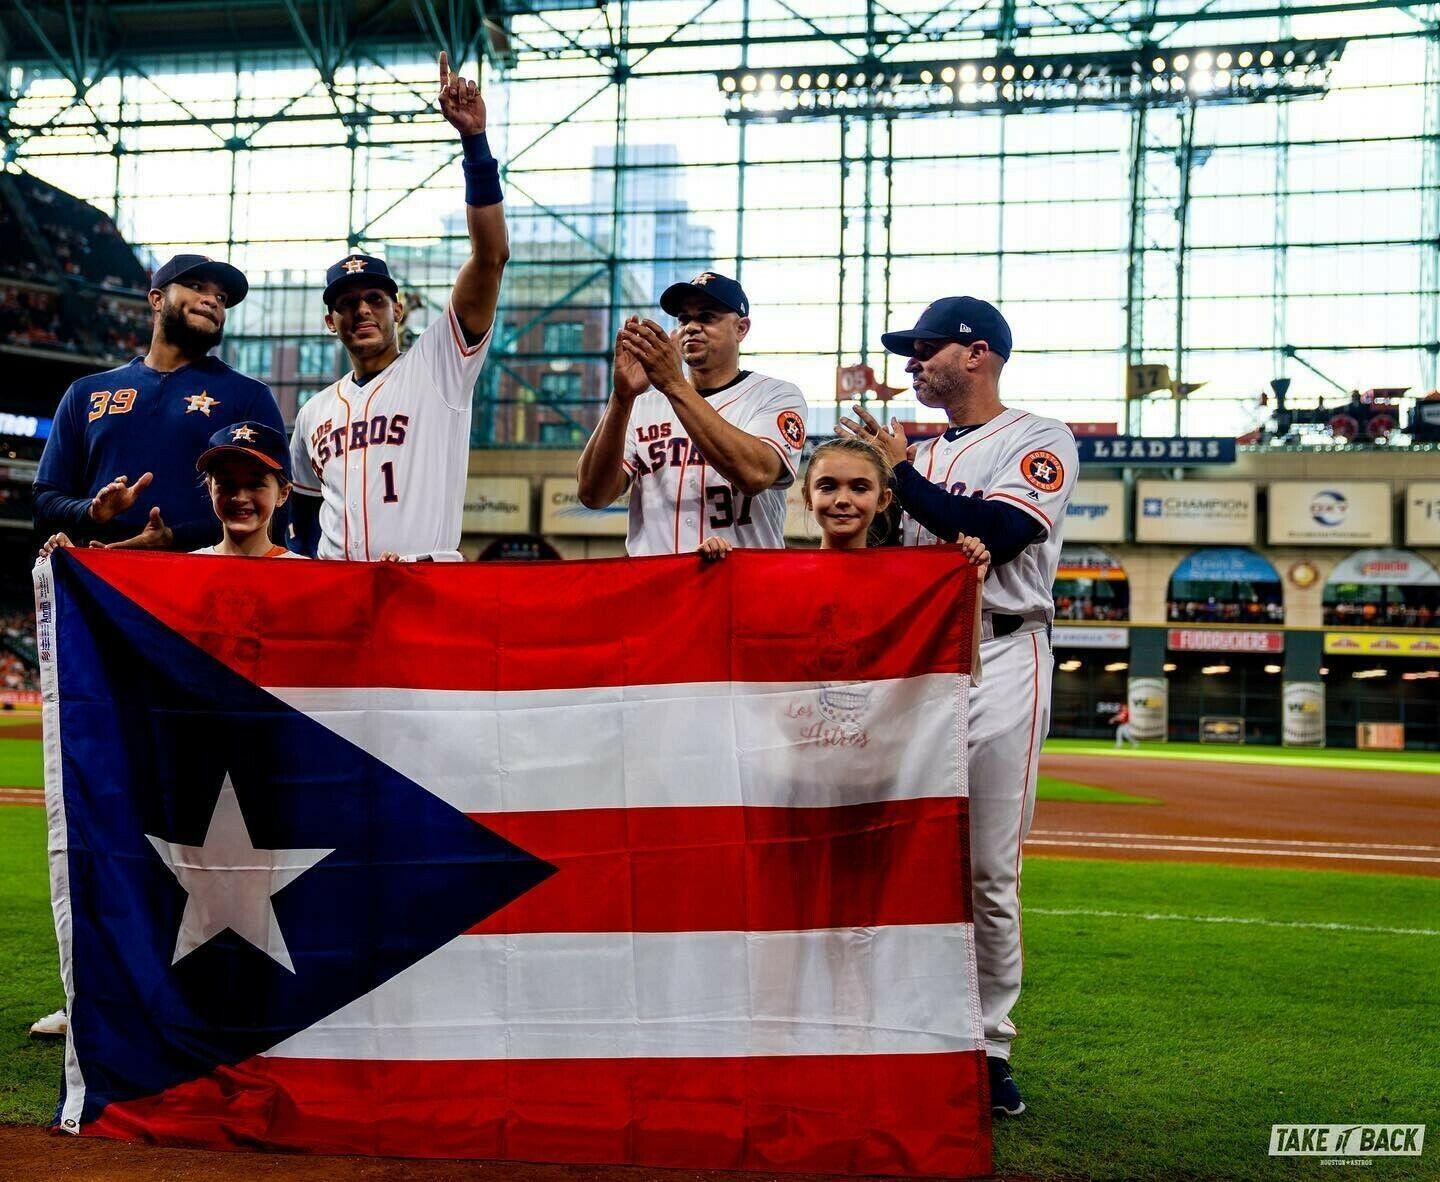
(83, 240)
(1084, 607)
(1380, 615)
(1225, 611)
(16, 251)
(31, 317)
(122, 326)
(18, 627)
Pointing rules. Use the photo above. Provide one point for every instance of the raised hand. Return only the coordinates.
(657, 352)
(630, 379)
(889, 440)
(155, 536)
(460, 100)
(116, 497)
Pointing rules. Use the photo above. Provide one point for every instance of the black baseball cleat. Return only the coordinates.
(1004, 1091)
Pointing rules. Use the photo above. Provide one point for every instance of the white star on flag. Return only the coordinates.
(230, 882)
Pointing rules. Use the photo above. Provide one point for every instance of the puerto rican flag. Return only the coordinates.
(630, 861)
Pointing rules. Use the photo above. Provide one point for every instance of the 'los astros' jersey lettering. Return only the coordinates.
(389, 458)
(1018, 459)
(677, 499)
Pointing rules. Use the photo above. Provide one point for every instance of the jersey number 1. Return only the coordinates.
(387, 469)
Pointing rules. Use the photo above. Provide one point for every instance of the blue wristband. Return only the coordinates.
(482, 172)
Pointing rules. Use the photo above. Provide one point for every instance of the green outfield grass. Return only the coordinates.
(1157, 1047)
(1343, 758)
(1049, 788)
(22, 764)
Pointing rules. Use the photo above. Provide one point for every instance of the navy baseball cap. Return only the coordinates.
(202, 266)
(720, 288)
(251, 439)
(357, 268)
(954, 318)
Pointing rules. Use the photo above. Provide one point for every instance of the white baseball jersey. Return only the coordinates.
(1022, 460)
(273, 552)
(677, 500)
(390, 458)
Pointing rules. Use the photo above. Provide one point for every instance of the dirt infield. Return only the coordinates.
(1245, 814)
(35, 1153)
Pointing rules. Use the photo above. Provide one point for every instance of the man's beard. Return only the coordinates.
(192, 341)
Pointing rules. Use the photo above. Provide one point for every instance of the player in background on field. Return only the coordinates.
(381, 456)
(246, 473)
(1005, 476)
(706, 454)
(847, 485)
(119, 465)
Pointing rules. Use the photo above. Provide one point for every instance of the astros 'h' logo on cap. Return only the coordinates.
(244, 433)
(703, 278)
(354, 265)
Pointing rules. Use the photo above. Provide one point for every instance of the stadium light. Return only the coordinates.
(1365, 674)
(1005, 82)
(1117, 666)
(1215, 670)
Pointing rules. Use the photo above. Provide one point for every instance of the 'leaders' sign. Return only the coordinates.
(1127, 450)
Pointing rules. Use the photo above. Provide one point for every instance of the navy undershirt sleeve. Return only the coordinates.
(1004, 529)
(305, 518)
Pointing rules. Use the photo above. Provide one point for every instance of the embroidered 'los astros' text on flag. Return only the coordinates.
(617, 861)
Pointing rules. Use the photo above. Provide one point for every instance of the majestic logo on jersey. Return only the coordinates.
(792, 427)
(354, 266)
(243, 433)
(201, 402)
(1043, 470)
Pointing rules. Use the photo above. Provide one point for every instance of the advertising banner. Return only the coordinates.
(1303, 704)
(1422, 513)
(497, 505)
(1383, 644)
(1149, 701)
(1096, 512)
(1384, 568)
(1222, 640)
(1330, 513)
(1079, 636)
(1222, 729)
(561, 512)
(1215, 511)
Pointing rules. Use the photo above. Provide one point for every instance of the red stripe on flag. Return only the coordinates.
(759, 616)
(916, 1115)
(739, 869)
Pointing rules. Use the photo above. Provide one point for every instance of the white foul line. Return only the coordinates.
(1233, 919)
(1228, 849)
(1349, 845)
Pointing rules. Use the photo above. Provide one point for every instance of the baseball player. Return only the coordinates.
(1004, 476)
(380, 457)
(705, 456)
(1124, 732)
(119, 465)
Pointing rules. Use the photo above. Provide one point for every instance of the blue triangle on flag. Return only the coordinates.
(150, 726)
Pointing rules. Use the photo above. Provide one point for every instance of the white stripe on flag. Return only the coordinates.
(707, 743)
(617, 995)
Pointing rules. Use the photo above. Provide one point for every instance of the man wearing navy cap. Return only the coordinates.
(707, 456)
(1004, 476)
(119, 465)
(380, 457)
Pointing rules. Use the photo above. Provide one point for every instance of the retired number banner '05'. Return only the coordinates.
(619, 861)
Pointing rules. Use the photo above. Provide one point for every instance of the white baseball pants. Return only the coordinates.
(1009, 718)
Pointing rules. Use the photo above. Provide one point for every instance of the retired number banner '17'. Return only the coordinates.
(617, 861)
